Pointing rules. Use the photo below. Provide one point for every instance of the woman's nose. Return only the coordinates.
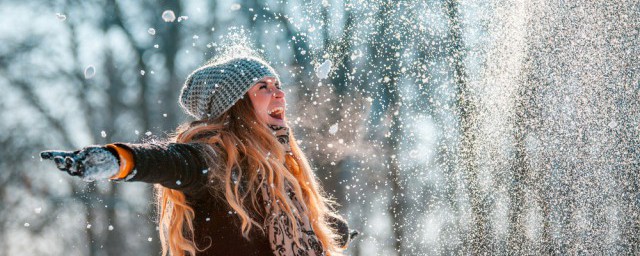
(278, 93)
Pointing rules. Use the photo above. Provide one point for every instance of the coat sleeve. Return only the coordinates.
(180, 166)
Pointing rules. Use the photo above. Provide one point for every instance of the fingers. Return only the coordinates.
(46, 154)
(50, 154)
(353, 234)
(65, 161)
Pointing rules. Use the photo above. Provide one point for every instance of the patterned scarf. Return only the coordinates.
(281, 236)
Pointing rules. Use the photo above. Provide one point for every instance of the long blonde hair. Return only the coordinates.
(242, 146)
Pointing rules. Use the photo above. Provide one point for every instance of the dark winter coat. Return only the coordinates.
(182, 166)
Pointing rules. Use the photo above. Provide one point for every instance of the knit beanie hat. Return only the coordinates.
(213, 88)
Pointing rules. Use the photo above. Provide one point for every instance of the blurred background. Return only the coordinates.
(440, 126)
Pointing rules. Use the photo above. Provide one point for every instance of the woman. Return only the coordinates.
(233, 182)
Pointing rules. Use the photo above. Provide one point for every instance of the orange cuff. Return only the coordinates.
(126, 161)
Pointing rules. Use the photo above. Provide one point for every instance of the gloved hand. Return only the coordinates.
(90, 163)
(353, 234)
(346, 234)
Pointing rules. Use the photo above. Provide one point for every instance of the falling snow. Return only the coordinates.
(333, 129)
(61, 17)
(322, 71)
(168, 16)
(439, 127)
(89, 72)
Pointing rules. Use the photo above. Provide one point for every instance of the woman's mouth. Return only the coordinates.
(277, 113)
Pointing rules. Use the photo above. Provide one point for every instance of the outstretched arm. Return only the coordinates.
(181, 166)
(173, 165)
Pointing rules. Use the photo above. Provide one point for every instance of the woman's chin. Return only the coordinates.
(276, 121)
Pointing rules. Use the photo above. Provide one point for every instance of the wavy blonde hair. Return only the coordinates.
(240, 142)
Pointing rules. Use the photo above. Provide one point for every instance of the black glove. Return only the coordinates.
(90, 163)
(353, 234)
(346, 234)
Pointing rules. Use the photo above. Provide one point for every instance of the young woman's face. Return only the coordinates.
(268, 101)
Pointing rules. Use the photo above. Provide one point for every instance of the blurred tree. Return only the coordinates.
(385, 55)
(476, 241)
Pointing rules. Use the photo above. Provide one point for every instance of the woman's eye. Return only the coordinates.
(264, 86)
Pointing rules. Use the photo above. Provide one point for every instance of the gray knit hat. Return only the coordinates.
(213, 88)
